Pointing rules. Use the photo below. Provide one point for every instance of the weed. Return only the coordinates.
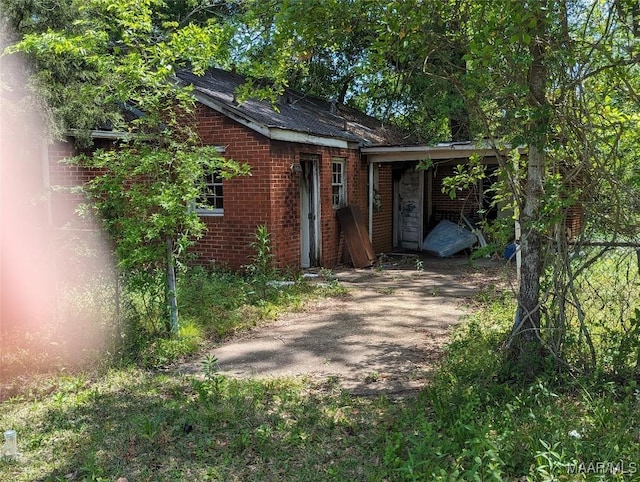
(482, 457)
(148, 428)
(212, 387)
(326, 273)
(551, 461)
(210, 366)
(372, 377)
(164, 351)
(91, 470)
(261, 269)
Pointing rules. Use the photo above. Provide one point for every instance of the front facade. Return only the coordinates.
(305, 164)
(294, 189)
(308, 159)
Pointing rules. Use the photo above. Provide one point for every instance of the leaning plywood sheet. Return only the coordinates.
(447, 238)
(356, 237)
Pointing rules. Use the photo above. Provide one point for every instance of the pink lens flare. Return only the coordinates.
(56, 270)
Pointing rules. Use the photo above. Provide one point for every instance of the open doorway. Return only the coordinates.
(310, 212)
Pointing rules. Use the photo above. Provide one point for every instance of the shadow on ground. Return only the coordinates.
(385, 336)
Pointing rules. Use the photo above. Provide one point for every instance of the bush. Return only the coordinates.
(477, 421)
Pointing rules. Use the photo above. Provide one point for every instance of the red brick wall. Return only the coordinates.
(284, 205)
(574, 220)
(63, 177)
(271, 196)
(382, 236)
(246, 199)
(285, 200)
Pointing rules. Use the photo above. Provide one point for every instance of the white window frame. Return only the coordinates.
(216, 182)
(339, 180)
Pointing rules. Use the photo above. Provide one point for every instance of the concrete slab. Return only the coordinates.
(384, 336)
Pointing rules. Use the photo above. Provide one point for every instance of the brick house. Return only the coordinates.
(305, 163)
(305, 160)
(309, 157)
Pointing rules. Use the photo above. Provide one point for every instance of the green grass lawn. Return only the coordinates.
(149, 426)
(473, 422)
(145, 425)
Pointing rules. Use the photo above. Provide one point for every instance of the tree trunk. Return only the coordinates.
(526, 343)
(171, 288)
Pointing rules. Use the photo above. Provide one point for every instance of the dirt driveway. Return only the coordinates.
(384, 336)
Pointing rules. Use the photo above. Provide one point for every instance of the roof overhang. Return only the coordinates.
(444, 151)
(122, 135)
(271, 132)
(279, 134)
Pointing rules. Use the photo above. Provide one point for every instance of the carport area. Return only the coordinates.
(408, 195)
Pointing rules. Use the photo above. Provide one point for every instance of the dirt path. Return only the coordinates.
(384, 336)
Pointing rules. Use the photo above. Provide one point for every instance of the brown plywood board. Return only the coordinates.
(356, 237)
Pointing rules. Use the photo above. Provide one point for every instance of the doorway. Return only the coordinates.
(408, 209)
(310, 212)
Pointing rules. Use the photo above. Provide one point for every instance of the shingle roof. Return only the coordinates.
(295, 112)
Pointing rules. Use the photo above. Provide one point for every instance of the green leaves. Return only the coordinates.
(144, 195)
(114, 53)
(465, 177)
(203, 46)
(112, 68)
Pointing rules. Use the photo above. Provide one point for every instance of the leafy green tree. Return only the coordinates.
(557, 76)
(113, 66)
(393, 59)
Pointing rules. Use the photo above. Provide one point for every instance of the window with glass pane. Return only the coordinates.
(338, 183)
(211, 199)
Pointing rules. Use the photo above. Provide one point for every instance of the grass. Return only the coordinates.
(475, 421)
(212, 306)
(476, 424)
(146, 425)
(224, 303)
(149, 426)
